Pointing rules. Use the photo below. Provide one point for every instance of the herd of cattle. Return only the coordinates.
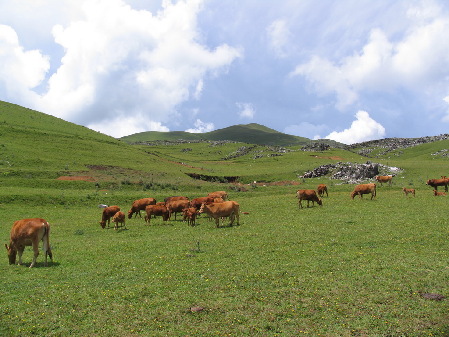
(29, 232)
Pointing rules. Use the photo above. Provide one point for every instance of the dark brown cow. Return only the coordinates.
(321, 189)
(309, 195)
(438, 182)
(221, 210)
(119, 218)
(108, 213)
(156, 210)
(408, 191)
(176, 206)
(139, 205)
(384, 179)
(364, 189)
(29, 232)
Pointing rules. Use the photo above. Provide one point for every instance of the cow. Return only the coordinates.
(119, 218)
(197, 202)
(408, 191)
(438, 182)
(321, 189)
(28, 232)
(189, 215)
(169, 199)
(108, 213)
(218, 194)
(176, 206)
(156, 210)
(438, 194)
(309, 195)
(384, 179)
(139, 205)
(222, 210)
(364, 189)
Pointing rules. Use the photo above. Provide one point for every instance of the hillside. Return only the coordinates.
(245, 133)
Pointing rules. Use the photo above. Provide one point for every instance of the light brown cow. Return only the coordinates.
(29, 232)
(222, 210)
(310, 196)
(119, 218)
(108, 213)
(176, 206)
(218, 194)
(364, 189)
(156, 210)
(408, 191)
(189, 215)
(384, 179)
(321, 189)
(139, 205)
(438, 182)
(438, 194)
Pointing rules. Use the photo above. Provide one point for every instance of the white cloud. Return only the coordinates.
(201, 127)
(364, 128)
(246, 110)
(306, 129)
(279, 37)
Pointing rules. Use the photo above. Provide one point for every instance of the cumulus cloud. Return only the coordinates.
(364, 128)
(246, 110)
(201, 127)
(121, 64)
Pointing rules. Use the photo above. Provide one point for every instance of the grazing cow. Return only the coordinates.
(197, 202)
(108, 213)
(119, 218)
(189, 215)
(438, 194)
(222, 210)
(384, 179)
(156, 210)
(139, 205)
(28, 232)
(321, 189)
(364, 189)
(310, 196)
(218, 194)
(176, 206)
(408, 191)
(438, 182)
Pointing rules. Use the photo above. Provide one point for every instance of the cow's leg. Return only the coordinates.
(299, 204)
(36, 252)
(20, 252)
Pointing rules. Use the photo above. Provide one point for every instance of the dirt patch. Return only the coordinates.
(82, 178)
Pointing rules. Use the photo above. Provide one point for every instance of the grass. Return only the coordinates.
(349, 268)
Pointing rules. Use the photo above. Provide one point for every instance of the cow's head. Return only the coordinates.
(320, 202)
(130, 214)
(12, 253)
(103, 224)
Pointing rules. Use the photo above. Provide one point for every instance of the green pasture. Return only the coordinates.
(348, 268)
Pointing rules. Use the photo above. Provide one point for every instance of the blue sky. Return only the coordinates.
(352, 70)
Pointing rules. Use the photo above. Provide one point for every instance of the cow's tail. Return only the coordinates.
(46, 242)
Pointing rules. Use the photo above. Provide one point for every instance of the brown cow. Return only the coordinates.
(384, 179)
(197, 202)
(176, 206)
(438, 182)
(408, 191)
(28, 232)
(139, 205)
(218, 194)
(156, 210)
(309, 195)
(364, 189)
(189, 215)
(438, 194)
(108, 213)
(321, 189)
(119, 218)
(222, 210)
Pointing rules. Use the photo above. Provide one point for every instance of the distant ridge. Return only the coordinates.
(246, 133)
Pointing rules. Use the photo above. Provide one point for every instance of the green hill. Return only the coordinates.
(245, 133)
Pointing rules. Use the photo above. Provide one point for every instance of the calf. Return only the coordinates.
(189, 215)
(119, 218)
(384, 179)
(438, 182)
(408, 191)
(139, 205)
(156, 210)
(108, 213)
(309, 195)
(438, 194)
(364, 189)
(222, 210)
(321, 189)
(28, 232)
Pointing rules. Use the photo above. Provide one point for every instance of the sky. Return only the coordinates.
(349, 70)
